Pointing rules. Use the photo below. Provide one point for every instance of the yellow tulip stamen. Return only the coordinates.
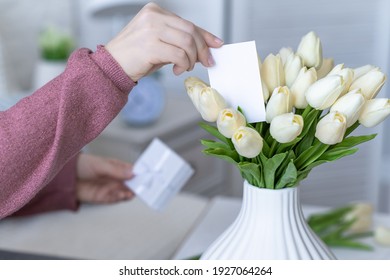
(338, 117)
(239, 136)
(228, 115)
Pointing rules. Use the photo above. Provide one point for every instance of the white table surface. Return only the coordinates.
(222, 211)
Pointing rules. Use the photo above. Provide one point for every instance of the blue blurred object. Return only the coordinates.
(146, 103)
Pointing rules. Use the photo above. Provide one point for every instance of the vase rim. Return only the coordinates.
(246, 183)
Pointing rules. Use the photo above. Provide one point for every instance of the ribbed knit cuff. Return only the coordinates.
(112, 69)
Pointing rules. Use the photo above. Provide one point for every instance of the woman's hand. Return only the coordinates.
(101, 180)
(156, 37)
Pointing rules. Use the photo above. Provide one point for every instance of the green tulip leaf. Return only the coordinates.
(224, 154)
(352, 141)
(270, 165)
(310, 155)
(281, 169)
(214, 145)
(288, 178)
(337, 153)
(214, 131)
(251, 172)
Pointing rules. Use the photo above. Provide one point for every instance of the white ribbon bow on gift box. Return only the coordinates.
(159, 174)
(148, 174)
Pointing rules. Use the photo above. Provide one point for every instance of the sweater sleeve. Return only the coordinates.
(42, 132)
(59, 194)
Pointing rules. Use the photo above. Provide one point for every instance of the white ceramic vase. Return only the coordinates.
(270, 226)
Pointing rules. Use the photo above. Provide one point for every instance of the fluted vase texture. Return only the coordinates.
(270, 226)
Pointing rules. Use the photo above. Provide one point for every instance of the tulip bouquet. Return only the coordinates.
(312, 107)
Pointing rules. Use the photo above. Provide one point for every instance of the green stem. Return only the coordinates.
(273, 148)
(307, 110)
(352, 128)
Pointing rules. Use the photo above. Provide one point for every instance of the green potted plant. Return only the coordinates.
(55, 46)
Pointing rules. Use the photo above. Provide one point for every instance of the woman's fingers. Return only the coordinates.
(156, 37)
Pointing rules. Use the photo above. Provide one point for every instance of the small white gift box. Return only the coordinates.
(160, 174)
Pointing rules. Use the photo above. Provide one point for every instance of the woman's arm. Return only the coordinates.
(59, 194)
(43, 131)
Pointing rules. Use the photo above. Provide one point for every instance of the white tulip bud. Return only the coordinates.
(279, 103)
(324, 92)
(210, 104)
(305, 79)
(194, 86)
(331, 128)
(360, 71)
(247, 142)
(229, 120)
(374, 112)
(370, 83)
(335, 70)
(310, 49)
(361, 213)
(192, 81)
(346, 73)
(285, 53)
(382, 235)
(272, 72)
(350, 105)
(326, 67)
(285, 128)
(291, 68)
(265, 91)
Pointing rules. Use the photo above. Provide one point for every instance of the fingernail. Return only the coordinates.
(210, 60)
(218, 41)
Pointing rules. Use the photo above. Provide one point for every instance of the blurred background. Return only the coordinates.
(354, 32)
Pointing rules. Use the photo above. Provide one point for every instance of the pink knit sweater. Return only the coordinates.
(42, 132)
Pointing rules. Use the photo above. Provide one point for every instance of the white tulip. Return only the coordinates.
(285, 128)
(324, 92)
(272, 72)
(336, 69)
(279, 103)
(265, 91)
(326, 67)
(247, 142)
(374, 112)
(305, 79)
(194, 94)
(360, 71)
(285, 53)
(194, 86)
(310, 49)
(291, 68)
(192, 81)
(229, 120)
(361, 213)
(382, 235)
(350, 105)
(346, 73)
(331, 128)
(210, 104)
(370, 83)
